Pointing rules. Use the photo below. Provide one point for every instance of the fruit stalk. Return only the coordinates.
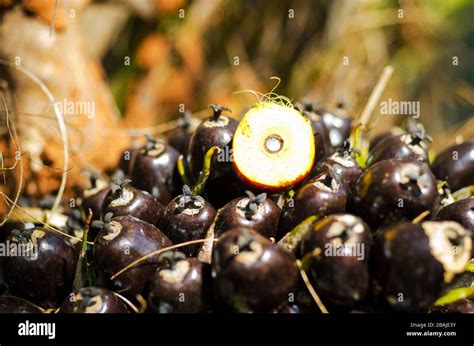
(200, 184)
(82, 276)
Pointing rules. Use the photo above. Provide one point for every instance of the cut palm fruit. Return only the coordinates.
(273, 147)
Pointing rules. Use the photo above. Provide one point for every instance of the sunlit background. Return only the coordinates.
(141, 63)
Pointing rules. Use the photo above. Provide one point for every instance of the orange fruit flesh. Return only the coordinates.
(273, 147)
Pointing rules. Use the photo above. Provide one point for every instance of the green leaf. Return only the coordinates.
(292, 238)
(455, 295)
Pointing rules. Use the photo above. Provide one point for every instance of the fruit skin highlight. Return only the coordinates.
(187, 217)
(343, 279)
(273, 147)
(456, 165)
(250, 273)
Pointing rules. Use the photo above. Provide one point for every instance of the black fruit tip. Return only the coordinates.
(104, 223)
(254, 202)
(22, 236)
(75, 220)
(218, 109)
(188, 200)
(170, 258)
(118, 185)
(243, 242)
(154, 144)
(87, 297)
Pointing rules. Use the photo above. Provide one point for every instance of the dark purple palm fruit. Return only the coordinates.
(414, 262)
(123, 200)
(44, 267)
(11, 225)
(127, 160)
(74, 226)
(5, 231)
(323, 195)
(181, 135)
(337, 122)
(411, 145)
(394, 189)
(344, 164)
(394, 131)
(93, 300)
(463, 306)
(15, 305)
(177, 286)
(217, 130)
(93, 197)
(456, 165)
(257, 212)
(154, 169)
(323, 146)
(186, 218)
(221, 190)
(336, 253)
(250, 273)
(122, 240)
(461, 211)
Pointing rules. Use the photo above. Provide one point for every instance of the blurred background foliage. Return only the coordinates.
(193, 60)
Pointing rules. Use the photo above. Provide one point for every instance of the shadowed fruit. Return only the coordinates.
(177, 278)
(181, 135)
(411, 145)
(336, 251)
(186, 218)
(456, 165)
(154, 169)
(93, 300)
(250, 273)
(257, 212)
(122, 240)
(217, 130)
(320, 132)
(94, 197)
(44, 274)
(15, 305)
(413, 262)
(323, 195)
(123, 199)
(396, 188)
